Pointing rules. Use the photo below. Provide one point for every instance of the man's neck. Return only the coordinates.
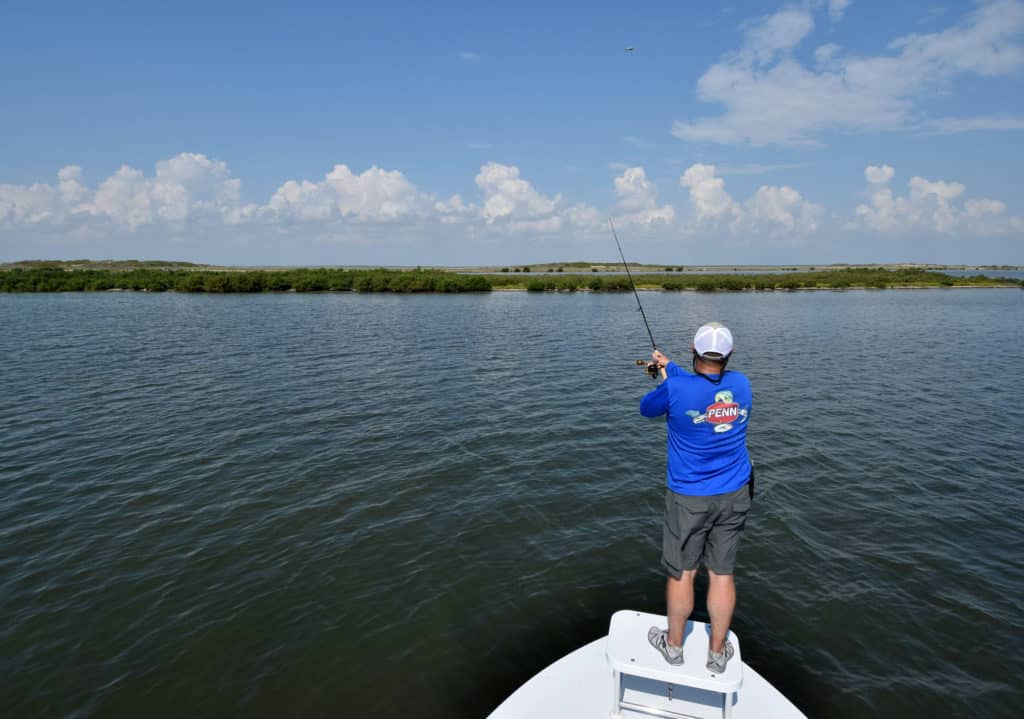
(707, 367)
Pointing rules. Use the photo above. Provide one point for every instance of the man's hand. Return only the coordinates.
(660, 360)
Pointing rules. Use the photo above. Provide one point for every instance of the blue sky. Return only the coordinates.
(828, 131)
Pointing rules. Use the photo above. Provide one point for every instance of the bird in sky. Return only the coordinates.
(630, 49)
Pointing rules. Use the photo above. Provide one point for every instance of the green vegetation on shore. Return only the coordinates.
(849, 278)
(638, 268)
(58, 277)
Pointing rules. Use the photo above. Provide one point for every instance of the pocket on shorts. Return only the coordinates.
(741, 503)
(691, 513)
(671, 516)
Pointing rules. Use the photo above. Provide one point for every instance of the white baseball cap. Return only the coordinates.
(713, 341)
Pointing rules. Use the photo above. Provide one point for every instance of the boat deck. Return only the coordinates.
(579, 685)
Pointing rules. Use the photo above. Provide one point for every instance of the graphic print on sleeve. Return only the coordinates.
(722, 413)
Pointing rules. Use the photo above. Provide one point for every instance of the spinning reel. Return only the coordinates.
(651, 368)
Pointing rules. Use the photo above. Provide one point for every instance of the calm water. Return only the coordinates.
(364, 505)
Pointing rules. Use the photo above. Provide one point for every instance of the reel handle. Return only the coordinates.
(651, 368)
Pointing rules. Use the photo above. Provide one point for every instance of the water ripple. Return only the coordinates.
(275, 505)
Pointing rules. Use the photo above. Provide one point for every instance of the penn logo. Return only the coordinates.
(723, 412)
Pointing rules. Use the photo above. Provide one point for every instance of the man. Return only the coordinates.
(709, 486)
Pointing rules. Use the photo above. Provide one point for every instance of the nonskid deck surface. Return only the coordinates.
(579, 686)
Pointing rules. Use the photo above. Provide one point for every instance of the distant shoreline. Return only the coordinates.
(528, 268)
(642, 288)
(60, 278)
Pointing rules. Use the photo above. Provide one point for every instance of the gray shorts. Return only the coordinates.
(703, 529)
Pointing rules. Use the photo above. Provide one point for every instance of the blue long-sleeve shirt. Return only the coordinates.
(707, 430)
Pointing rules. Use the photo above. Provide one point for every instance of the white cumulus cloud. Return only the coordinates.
(929, 205)
(72, 190)
(878, 175)
(191, 198)
(373, 195)
(983, 207)
(780, 212)
(506, 194)
(772, 211)
(638, 200)
(770, 97)
(27, 205)
(708, 198)
(188, 186)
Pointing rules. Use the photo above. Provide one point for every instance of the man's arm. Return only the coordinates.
(655, 402)
(672, 369)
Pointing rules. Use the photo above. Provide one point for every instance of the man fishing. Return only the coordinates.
(710, 486)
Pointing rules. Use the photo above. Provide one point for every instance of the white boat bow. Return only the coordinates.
(585, 684)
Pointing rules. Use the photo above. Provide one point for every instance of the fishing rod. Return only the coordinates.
(652, 368)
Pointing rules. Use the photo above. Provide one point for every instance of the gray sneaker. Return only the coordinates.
(659, 640)
(718, 660)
